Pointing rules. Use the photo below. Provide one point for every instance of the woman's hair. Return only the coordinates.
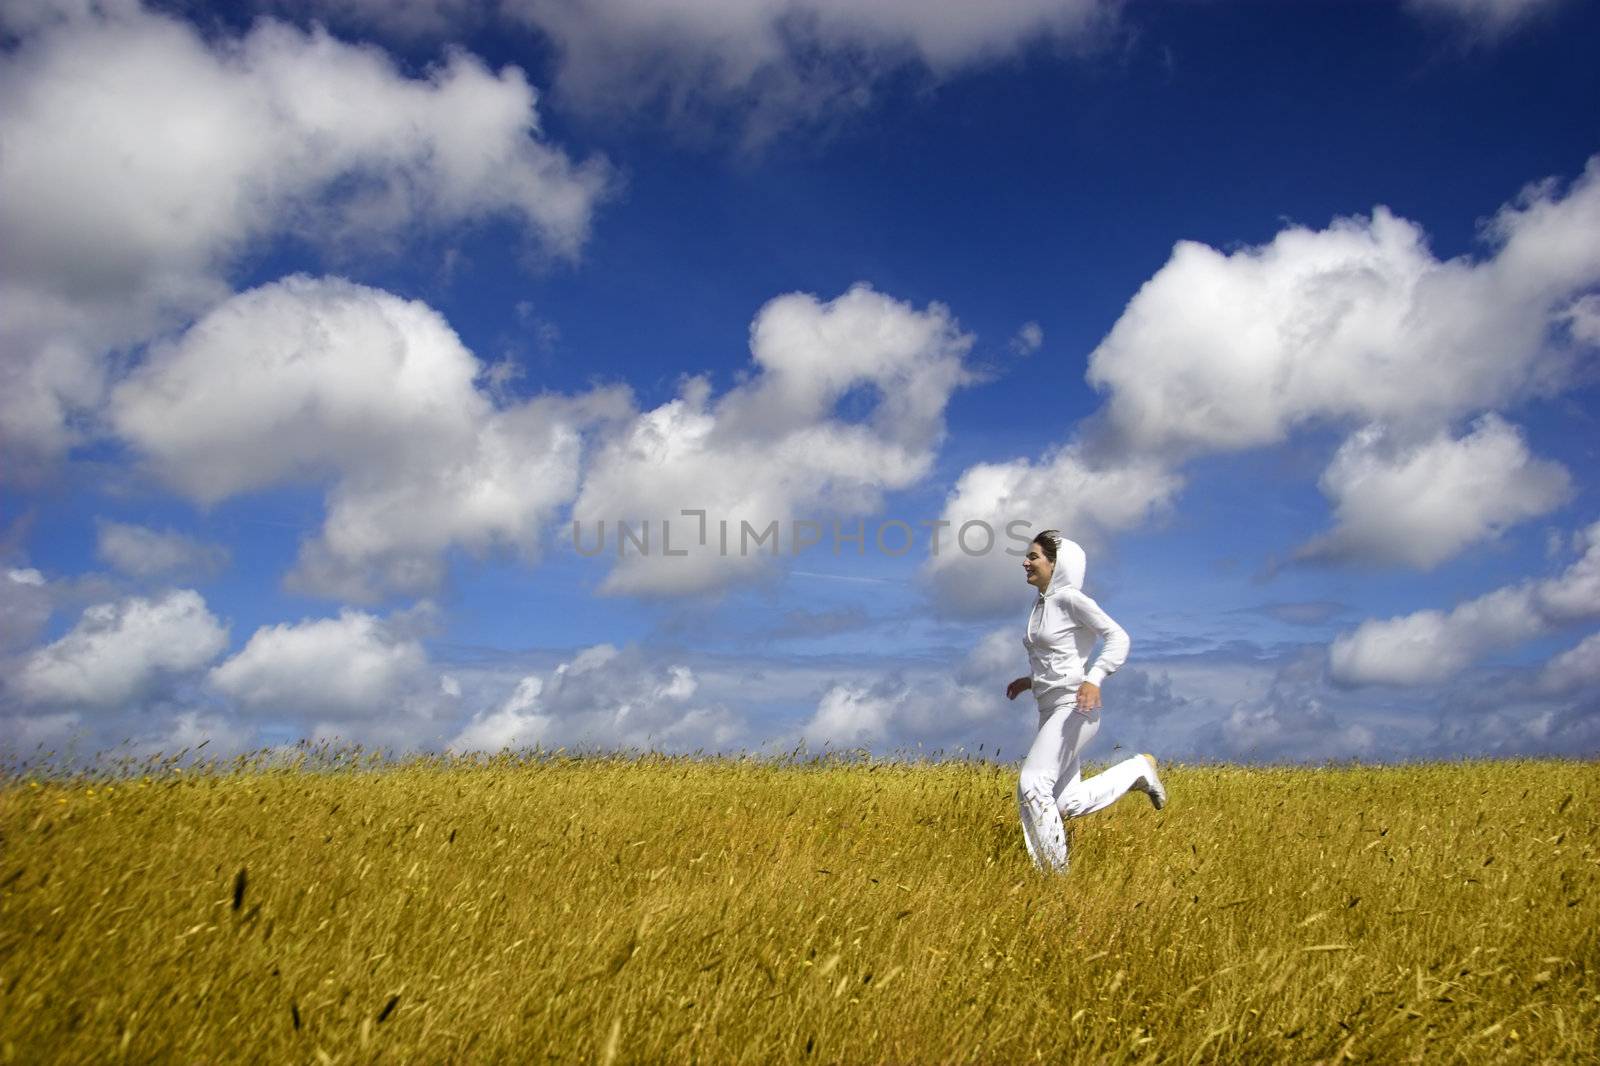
(1048, 541)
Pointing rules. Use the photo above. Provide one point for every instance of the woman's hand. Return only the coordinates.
(1088, 698)
(1018, 687)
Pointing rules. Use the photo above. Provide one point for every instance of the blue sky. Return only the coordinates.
(323, 321)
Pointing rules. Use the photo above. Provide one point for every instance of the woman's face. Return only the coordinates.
(1037, 567)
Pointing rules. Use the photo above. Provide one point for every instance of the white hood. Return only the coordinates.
(1070, 566)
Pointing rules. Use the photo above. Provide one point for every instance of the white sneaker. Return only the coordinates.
(1150, 784)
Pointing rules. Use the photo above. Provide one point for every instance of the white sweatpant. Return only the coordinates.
(1051, 783)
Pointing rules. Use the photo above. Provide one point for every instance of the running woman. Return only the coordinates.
(1062, 630)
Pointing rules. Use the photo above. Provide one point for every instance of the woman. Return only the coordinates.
(1062, 631)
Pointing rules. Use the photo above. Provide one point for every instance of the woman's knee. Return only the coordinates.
(1035, 787)
(1073, 803)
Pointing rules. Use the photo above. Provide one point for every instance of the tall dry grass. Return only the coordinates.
(672, 910)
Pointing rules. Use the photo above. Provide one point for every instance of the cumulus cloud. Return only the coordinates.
(1577, 667)
(1066, 489)
(326, 381)
(39, 732)
(608, 698)
(959, 704)
(845, 402)
(143, 160)
(146, 553)
(1421, 503)
(122, 653)
(1583, 320)
(778, 63)
(1028, 339)
(25, 607)
(862, 715)
(159, 730)
(515, 723)
(1358, 321)
(352, 666)
(211, 734)
(1432, 645)
(1292, 720)
(767, 66)
(1241, 701)
(943, 708)
(357, 678)
(1255, 704)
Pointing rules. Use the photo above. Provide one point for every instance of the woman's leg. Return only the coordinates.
(1051, 763)
(1077, 797)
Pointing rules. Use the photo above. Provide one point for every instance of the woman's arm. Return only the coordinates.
(1113, 647)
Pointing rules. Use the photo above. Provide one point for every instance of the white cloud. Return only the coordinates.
(1242, 701)
(1420, 503)
(28, 733)
(141, 552)
(25, 607)
(1064, 490)
(1028, 339)
(515, 723)
(356, 678)
(142, 161)
(949, 708)
(1583, 320)
(776, 63)
(158, 729)
(353, 666)
(960, 705)
(1358, 321)
(1252, 704)
(607, 698)
(203, 734)
(322, 380)
(1430, 646)
(1577, 667)
(1256, 713)
(1287, 729)
(861, 715)
(1574, 596)
(325, 381)
(846, 402)
(121, 653)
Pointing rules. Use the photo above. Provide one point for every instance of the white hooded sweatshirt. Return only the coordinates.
(1062, 630)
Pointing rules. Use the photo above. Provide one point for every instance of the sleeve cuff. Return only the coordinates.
(1096, 676)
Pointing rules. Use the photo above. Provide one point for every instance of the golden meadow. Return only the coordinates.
(549, 907)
